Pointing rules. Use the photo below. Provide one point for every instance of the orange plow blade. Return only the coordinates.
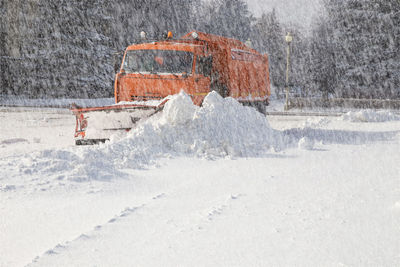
(96, 124)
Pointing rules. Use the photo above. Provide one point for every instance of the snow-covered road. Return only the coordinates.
(327, 193)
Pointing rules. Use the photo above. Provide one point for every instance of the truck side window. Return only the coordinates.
(204, 65)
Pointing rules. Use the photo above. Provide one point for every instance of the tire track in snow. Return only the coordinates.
(63, 246)
(200, 220)
(166, 226)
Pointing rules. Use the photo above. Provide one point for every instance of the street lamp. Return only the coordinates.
(288, 39)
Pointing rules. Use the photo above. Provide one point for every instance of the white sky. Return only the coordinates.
(301, 12)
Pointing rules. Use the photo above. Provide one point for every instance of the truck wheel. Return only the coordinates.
(261, 107)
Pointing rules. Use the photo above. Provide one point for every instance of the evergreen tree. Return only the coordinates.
(152, 16)
(268, 37)
(322, 70)
(59, 48)
(229, 18)
(3, 51)
(365, 35)
(62, 48)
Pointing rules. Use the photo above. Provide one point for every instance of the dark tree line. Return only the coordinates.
(68, 48)
(356, 49)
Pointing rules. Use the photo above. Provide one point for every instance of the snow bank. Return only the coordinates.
(370, 116)
(221, 127)
(316, 122)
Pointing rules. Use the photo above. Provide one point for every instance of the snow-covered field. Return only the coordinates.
(219, 185)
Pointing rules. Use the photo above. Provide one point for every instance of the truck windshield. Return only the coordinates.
(158, 61)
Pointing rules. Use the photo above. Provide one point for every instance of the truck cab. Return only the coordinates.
(197, 63)
(152, 71)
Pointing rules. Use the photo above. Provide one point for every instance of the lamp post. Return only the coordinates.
(288, 39)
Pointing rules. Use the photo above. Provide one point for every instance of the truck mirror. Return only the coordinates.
(117, 58)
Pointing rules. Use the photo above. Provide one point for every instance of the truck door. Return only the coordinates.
(202, 76)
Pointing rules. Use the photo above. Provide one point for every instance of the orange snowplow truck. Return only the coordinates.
(197, 63)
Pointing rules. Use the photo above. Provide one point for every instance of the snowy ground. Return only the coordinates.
(317, 191)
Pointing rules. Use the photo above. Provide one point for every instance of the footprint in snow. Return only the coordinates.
(57, 249)
(159, 196)
(220, 209)
(216, 211)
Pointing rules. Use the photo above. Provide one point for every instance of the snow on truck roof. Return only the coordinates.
(189, 42)
(165, 44)
(222, 41)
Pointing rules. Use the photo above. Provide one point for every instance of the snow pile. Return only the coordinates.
(179, 110)
(370, 116)
(306, 143)
(221, 127)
